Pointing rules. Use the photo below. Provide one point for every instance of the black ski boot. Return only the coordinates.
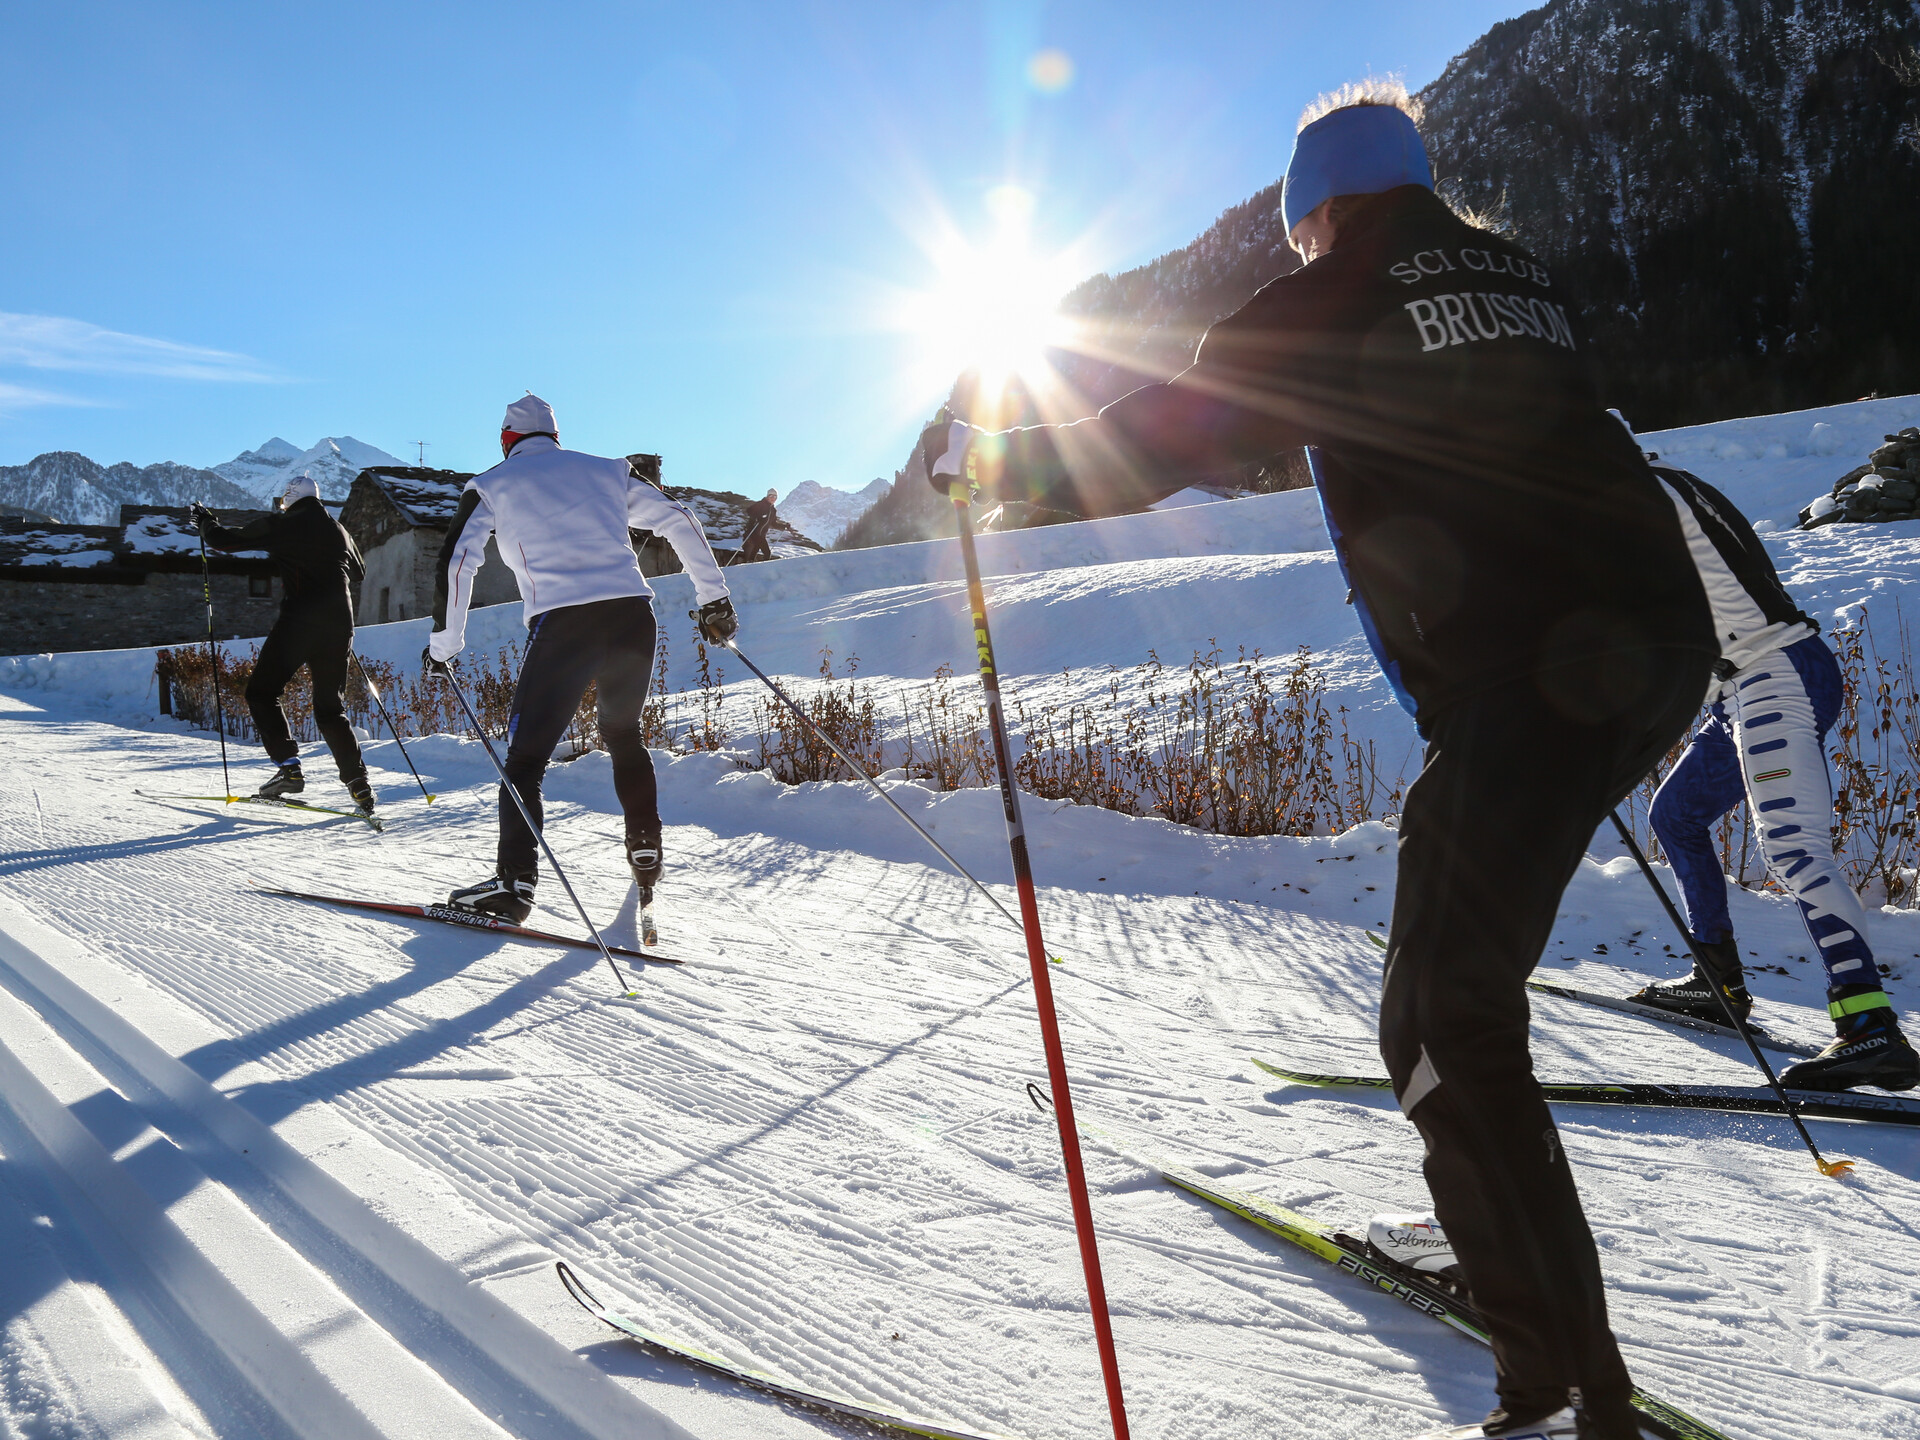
(510, 899)
(644, 858)
(1692, 994)
(1561, 1425)
(361, 791)
(287, 780)
(1869, 1050)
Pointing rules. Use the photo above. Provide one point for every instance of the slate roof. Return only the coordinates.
(425, 497)
(148, 538)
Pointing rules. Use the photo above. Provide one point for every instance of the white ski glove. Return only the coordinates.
(943, 451)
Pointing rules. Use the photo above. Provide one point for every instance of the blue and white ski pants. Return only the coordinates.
(1764, 740)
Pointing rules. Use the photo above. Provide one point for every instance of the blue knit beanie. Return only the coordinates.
(1359, 150)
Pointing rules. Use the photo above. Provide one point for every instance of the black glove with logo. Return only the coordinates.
(433, 666)
(200, 516)
(718, 624)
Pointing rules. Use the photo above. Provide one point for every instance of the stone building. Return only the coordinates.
(398, 516)
(137, 583)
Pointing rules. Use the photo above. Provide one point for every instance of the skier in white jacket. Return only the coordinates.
(563, 519)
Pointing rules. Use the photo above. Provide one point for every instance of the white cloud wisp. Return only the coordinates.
(55, 342)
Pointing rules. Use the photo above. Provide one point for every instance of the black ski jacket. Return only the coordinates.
(1491, 518)
(1752, 612)
(318, 561)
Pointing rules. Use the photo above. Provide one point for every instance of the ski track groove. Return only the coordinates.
(753, 1172)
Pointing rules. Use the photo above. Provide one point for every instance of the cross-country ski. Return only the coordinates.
(273, 802)
(617, 627)
(473, 920)
(877, 1415)
(1749, 1100)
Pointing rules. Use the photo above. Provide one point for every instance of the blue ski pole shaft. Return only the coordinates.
(521, 805)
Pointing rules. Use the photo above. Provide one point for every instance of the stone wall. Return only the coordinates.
(37, 616)
(405, 565)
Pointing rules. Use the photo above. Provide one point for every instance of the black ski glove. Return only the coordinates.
(718, 624)
(943, 450)
(201, 517)
(434, 667)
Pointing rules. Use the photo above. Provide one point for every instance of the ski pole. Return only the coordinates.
(1827, 1167)
(1042, 982)
(521, 805)
(860, 770)
(367, 680)
(213, 658)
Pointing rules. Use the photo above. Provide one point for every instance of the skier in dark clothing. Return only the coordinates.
(760, 517)
(319, 566)
(1763, 740)
(1524, 582)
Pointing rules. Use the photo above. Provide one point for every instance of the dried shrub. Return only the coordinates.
(1214, 745)
(1218, 745)
(794, 753)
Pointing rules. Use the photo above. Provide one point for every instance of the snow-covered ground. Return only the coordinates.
(268, 1168)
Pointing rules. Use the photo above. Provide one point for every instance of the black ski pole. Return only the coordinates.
(1042, 982)
(878, 789)
(625, 990)
(213, 658)
(1827, 1167)
(373, 690)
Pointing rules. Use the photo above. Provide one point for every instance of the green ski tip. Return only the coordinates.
(1376, 940)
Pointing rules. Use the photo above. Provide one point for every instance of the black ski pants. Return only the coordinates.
(568, 649)
(318, 635)
(1516, 780)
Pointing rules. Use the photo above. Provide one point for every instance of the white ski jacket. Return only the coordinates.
(562, 518)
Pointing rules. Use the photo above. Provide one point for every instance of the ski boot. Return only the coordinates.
(361, 791)
(287, 780)
(1566, 1423)
(1417, 1244)
(1561, 1425)
(1869, 1048)
(1692, 994)
(644, 858)
(509, 899)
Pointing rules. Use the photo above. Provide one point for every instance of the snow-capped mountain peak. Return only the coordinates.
(823, 514)
(332, 463)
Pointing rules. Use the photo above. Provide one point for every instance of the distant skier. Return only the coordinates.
(1764, 737)
(1523, 580)
(319, 567)
(760, 517)
(563, 519)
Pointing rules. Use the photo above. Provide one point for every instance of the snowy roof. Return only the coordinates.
(64, 547)
(423, 496)
(166, 531)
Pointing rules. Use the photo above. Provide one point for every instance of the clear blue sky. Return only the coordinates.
(689, 226)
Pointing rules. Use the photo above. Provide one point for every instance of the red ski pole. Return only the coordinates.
(1042, 982)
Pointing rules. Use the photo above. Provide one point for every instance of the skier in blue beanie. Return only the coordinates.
(1526, 587)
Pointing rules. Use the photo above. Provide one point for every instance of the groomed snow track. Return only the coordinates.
(243, 1374)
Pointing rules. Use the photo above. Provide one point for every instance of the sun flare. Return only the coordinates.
(993, 307)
